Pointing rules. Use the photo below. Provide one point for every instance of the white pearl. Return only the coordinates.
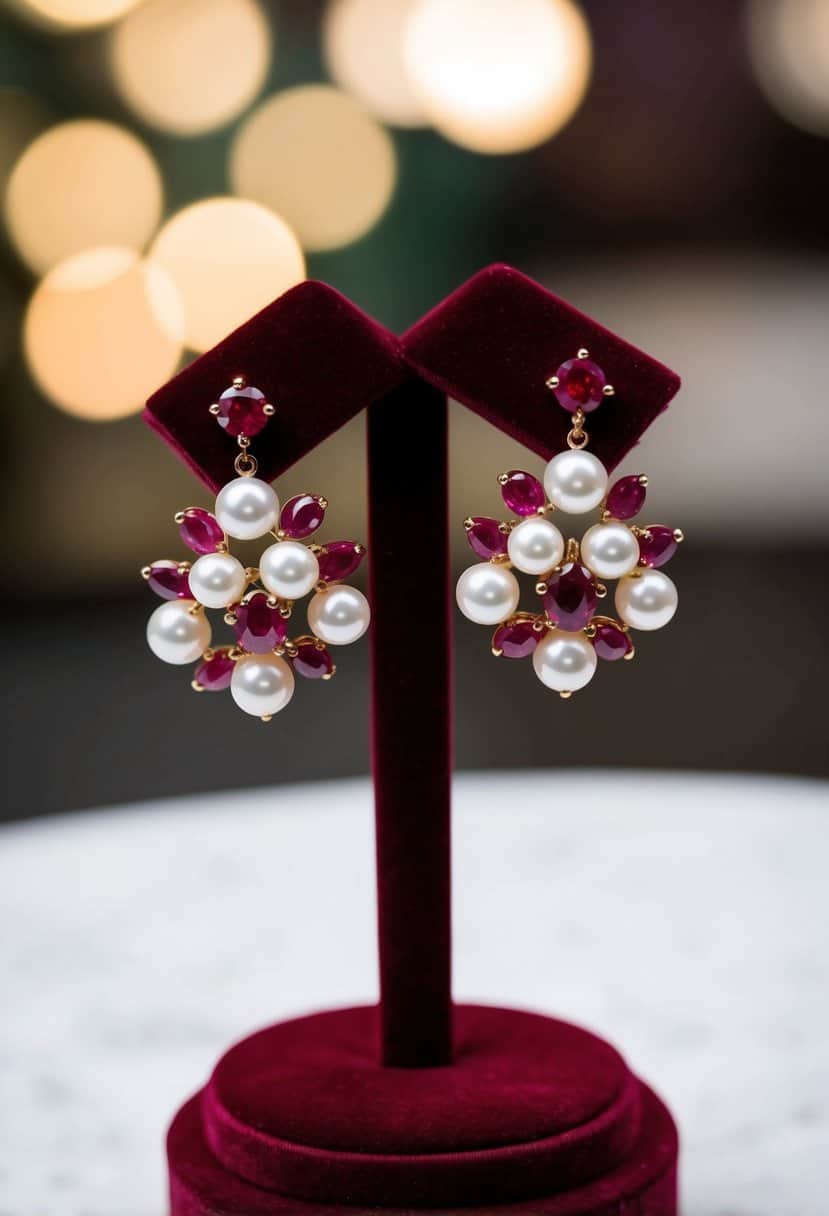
(575, 481)
(339, 615)
(247, 507)
(487, 593)
(177, 635)
(610, 550)
(217, 580)
(535, 546)
(262, 684)
(289, 569)
(564, 661)
(646, 601)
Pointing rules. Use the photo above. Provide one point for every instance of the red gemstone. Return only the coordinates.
(200, 530)
(486, 538)
(302, 515)
(570, 598)
(580, 385)
(340, 559)
(214, 673)
(312, 661)
(626, 497)
(168, 581)
(516, 639)
(242, 410)
(259, 626)
(611, 642)
(522, 493)
(657, 545)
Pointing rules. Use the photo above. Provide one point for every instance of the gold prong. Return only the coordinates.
(606, 516)
(608, 390)
(209, 654)
(266, 717)
(506, 527)
(565, 696)
(502, 479)
(583, 352)
(679, 535)
(496, 651)
(630, 654)
(329, 675)
(552, 382)
(273, 601)
(643, 480)
(196, 686)
(601, 591)
(590, 631)
(540, 624)
(239, 381)
(251, 573)
(183, 567)
(214, 408)
(286, 609)
(323, 502)
(541, 588)
(361, 549)
(146, 571)
(179, 517)
(468, 523)
(268, 410)
(230, 618)
(195, 610)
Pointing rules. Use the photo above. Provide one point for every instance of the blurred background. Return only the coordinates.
(167, 167)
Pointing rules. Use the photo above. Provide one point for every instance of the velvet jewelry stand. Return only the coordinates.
(416, 1105)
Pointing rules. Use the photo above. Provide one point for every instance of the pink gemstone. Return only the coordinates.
(626, 497)
(259, 626)
(242, 410)
(340, 559)
(486, 538)
(611, 642)
(168, 581)
(580, 385)
(312, 661)
(570, 598)
(516, 639)
(302, 515)
(522, 493)
(657, 545)
(214, 674)
(200, 530)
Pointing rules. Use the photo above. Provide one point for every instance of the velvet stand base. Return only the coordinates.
(533, 1116)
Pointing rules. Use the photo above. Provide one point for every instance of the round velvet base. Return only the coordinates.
(301, 1118)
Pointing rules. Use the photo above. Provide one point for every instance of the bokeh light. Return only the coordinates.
(228, 258)
(80, 185)
(364, 50)
(187, 66)
(22, 117)
(102, 331)
(76, 14)
(315, 156)
(498, 77)
(789, 46)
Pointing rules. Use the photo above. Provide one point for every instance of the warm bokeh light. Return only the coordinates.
(789, 45)
(498, 77)
(228, 257)
(364, 50)
(187, 66)
(80, 185)
(75, 14)
(103, 331)
(22, 117)
(319, 159)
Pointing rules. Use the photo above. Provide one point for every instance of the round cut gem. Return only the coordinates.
(339, 560)
(302, 515)
(611, 642)
(260, 627)
(516, 639)
(657, 545)
(522, 493)
(170, 580)
(200, 530)
(241, 410)
(312, 660)
(626, 497)
(485, 537)
(581, 384)
(570, 598)
(214, 674)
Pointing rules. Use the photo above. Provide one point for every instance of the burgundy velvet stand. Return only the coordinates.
(416, 1105)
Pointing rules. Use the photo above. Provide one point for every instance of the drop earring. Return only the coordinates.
(257, 602)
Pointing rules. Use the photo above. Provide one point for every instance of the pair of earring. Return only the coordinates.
(258, 602)
(567, 636)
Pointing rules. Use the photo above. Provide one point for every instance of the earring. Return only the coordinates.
(567, 637)
(258, 602)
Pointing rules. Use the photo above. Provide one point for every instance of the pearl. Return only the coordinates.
(610, 550)
(217, 580)
(339, 614)
(247, 508)
(647, 600)
(262, 684)
(289, 569)
(487, 593)
(177, 635)
(564, 661)
(535, 546)
(575, 481)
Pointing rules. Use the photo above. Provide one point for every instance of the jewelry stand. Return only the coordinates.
(416, 1104)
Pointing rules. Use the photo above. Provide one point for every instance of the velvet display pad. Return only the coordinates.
(494, 342)
(314, 355)
(531, 1112)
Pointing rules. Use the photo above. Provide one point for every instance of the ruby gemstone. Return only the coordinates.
(169, 582)
(486, 538)
(312, 661)
(611, 642)
(570, 599)
(657, 545)
(259, 626)
(242, 410)
(340, 559)
(214, 673)
(516, 639)
(581, 384)
(301, 516)
(626, 497)
(522, 493)
(200, 530)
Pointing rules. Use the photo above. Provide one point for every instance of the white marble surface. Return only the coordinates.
(683, 917)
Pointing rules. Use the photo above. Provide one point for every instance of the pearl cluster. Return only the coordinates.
(568, 637)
